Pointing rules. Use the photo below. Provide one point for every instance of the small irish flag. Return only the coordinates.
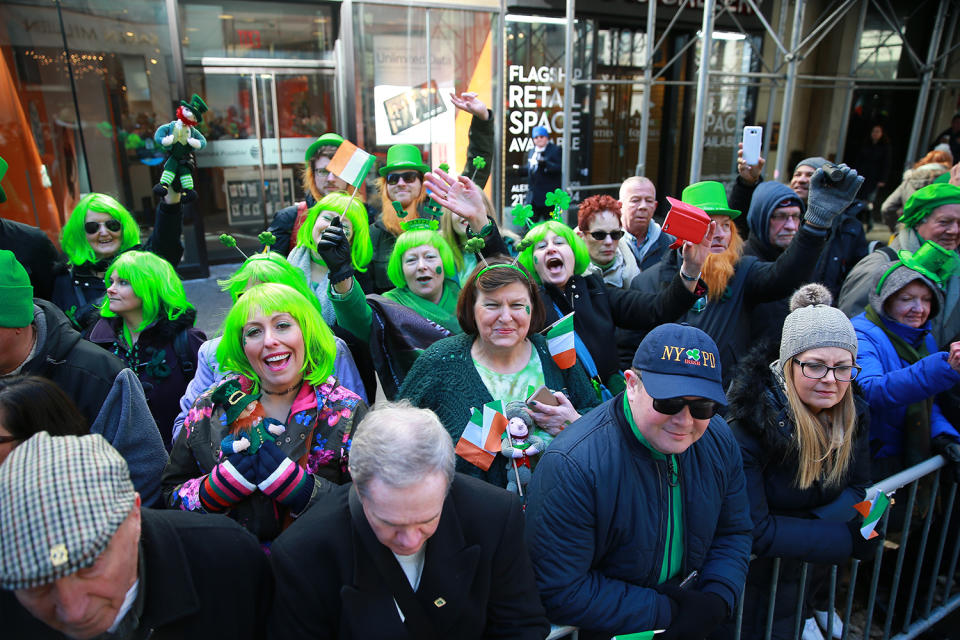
(560, 342)
(480, 442)
(872, 510)
(351, 163)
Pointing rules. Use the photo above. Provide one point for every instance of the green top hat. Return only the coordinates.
(3, 172)
(709, 196)
(404, 156)
(197, 106)
(326, 140)
(231, 397)
(932, 260)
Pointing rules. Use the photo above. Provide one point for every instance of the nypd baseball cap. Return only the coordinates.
(680, 360)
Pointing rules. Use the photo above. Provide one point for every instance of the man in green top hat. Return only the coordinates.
(738, 283)
(316, 183)
(930, 214)
(180, 138)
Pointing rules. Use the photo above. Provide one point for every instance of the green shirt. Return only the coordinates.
(516, 386)
(673, 552)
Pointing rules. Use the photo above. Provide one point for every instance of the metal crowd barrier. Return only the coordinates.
(929, 598)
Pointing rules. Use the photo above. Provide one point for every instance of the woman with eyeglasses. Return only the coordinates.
(29, 404)
(803, 435)
(98, 230)
(598, 223)
(904, 371)
(147, 322)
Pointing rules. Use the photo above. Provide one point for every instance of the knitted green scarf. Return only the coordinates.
(443, 313)
(916, 422)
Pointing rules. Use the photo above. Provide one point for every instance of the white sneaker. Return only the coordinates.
(823, 616)
(811, 631)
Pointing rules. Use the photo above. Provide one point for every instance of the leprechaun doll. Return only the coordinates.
(180, 138)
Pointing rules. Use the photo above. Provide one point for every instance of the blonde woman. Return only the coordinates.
(803, 434)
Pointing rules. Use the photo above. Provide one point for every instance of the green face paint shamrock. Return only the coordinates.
(527, 308)
(266, 238)
(521, 214)
(694, 354)
(227, 240)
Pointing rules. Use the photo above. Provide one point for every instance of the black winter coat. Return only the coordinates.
(33, 249)
(798, 525)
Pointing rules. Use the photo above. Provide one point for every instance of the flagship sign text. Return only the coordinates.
(535, 99)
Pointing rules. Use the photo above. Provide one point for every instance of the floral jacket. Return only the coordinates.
(320, 426)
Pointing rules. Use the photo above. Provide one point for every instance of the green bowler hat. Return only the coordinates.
(931, 260)
(3, 172)
(402, 157)
(925, 200)
(326, 140)
(709, 196)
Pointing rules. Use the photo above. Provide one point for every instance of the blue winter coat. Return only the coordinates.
(890, 384)
(597, 523)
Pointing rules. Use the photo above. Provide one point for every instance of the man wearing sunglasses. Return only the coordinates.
(637, 514)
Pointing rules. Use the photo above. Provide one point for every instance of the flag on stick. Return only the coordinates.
(560, 342)
(872, 510)
(351, 164)
(480, 442)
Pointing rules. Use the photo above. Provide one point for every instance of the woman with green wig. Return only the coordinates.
(257, 269)
(147, 321)
(98, 230)
(274, 436)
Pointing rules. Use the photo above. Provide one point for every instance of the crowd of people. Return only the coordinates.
(331, 463)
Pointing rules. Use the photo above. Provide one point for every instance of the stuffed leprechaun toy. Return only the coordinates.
(180, 139)
(250, 428)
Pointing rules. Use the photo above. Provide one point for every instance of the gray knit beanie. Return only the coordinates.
(814, 161)
(900, 276)
(813, 323)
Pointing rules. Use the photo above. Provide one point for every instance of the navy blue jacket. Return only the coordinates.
(597, 523)
(545, 178)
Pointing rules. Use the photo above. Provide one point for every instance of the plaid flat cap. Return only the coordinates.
(61, 500)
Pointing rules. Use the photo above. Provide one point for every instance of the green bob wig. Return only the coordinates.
(73, 239)
(266, 267)
(411, 240)
(154, 281)
(270, 298)
(361, 250)
(581, 257)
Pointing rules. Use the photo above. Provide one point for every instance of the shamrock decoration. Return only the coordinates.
(521, 214)
(445, 166)
(474, 245)
(694, 354)
(559, 200)
(478, 163)
(267, 239)
(227, 240)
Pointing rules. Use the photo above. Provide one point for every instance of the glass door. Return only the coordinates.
(258, 127)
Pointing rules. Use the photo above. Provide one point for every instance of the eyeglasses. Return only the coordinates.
(600, 236)
(6, 439)
(818, 370)
(407, 176)
(780, 217)
(111, 225)
(700, 409)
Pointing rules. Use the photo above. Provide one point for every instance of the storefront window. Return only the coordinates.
(409, 60)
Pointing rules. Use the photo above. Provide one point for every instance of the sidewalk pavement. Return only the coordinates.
(211, 303)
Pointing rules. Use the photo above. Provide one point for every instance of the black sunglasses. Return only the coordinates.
(699, 409)
(600, 236)
(111, 225)
(407, 176)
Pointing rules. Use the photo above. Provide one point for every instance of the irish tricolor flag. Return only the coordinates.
(560, 342)
(480, 442)
(872, 510)
(351, 163)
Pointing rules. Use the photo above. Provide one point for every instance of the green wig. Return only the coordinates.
(73, 239)
(269, 298)
(266, 267)
(581, 256)
(154, 281)
(361, 250)
(411, 240)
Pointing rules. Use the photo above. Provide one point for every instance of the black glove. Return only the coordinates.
(829, 198)
(862, 549)
(334, 248)
(949, 449)
(696, 615)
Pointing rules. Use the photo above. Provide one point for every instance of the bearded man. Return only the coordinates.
(737, 282)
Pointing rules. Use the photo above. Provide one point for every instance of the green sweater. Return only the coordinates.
(445, 379)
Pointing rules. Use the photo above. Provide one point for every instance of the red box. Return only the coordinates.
(685, 222)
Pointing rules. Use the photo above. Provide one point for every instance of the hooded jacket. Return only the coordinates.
(107, 393)
(766, 199)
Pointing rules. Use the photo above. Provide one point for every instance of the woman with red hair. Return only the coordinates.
(598, 223)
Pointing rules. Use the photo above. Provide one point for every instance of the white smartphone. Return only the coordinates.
(752, 141)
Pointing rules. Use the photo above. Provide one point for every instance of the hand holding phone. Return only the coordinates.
(752, 141)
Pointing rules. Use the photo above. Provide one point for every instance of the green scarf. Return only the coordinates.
(444, 313)
(916, 422)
